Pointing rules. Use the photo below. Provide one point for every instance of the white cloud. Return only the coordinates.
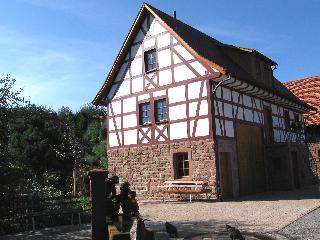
(53, 72)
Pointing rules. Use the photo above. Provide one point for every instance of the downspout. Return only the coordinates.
(216, 138)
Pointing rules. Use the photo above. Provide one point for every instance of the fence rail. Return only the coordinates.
(22, 212)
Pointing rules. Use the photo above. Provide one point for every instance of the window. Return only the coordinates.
(286, 119)
(160, 110)
(150, 60)
(144, 113)
(181, 165)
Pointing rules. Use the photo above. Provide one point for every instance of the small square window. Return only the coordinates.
(150, 60)
(144, 113)
(160, 110)
(181, 165)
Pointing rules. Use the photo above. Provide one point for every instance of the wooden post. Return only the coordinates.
(98, 201)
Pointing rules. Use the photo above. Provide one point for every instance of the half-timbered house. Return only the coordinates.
(182, 105)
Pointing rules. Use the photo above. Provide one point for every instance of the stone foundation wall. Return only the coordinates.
(281, 176)
(148, 167)
(314, 148)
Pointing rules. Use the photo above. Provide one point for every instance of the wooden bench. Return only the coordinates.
(186, 187)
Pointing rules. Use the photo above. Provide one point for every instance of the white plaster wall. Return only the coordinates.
(130, 137)
(199, 68)
(150, 43)
(124, 89)
(116, 106)
(183, 52)
(137, 85)
(248, 115)
(164, 58)
(143, 97)
(182, 73)
(136, 67)
(110, 124)
(235, 97)
(226, 94)
(164, 40)
(176, 59)
(202, 127)
(228, 110)
(129, 105)
(156, 28)
(178, 130)
(113, 141)
(130, 121)
(247, 101)
(165, 77)
(177, 112)
(176, 94)
(194, 90)
(229, 128)
(159, 93)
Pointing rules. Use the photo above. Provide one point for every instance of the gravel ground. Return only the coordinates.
(267, 212)
(273, 214)
(307, 227)
(69, 232)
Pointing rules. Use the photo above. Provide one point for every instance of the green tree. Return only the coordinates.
(9, 98)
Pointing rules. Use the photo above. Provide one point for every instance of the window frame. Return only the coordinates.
(156, 100)
(174, 163)
(141, 115)
(145, 59)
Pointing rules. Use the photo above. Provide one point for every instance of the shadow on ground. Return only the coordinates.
(309, 192)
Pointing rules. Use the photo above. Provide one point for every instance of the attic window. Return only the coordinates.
(150, 60)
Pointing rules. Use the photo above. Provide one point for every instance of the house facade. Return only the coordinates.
(308, 90)
(182, 105)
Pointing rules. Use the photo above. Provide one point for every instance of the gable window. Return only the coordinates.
(160, 110)
(286, 119)
(144, 113)
(150, 60)
(181, 165)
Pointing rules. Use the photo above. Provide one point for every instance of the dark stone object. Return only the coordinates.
(234, 233)
(171, 229)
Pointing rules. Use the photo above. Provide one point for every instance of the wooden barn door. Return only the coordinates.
(251, 160)
(226, 175)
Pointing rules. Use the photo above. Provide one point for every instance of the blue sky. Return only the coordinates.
(60, 51)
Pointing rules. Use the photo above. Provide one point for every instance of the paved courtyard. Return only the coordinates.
(272, 214)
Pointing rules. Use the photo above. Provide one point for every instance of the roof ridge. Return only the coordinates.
(302, 79)
(215, 41)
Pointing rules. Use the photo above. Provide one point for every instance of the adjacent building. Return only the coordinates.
(308, 90)
(183, 105)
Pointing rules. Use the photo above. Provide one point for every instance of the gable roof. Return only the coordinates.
(308, 90)
(205, 48)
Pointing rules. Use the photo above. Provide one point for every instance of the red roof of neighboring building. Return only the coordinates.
(308, 90)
